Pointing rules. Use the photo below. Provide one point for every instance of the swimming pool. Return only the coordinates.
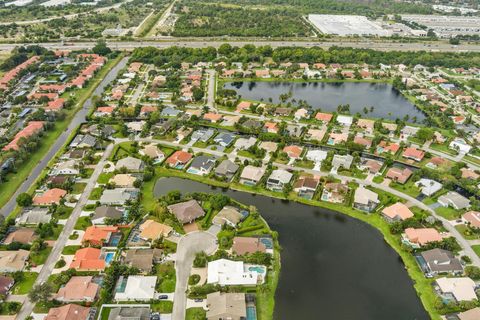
(251, 313)
(109, 257)
(257, 269)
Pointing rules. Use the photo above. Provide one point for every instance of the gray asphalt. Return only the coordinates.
(62, 139)
(188, 246)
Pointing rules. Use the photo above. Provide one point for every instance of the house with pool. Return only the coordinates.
(251, 175)
(226, 272)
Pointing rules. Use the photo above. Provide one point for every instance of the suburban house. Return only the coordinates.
(186, 212)
(12, 261)
(223, 305)
(345, 121)
(34, 216)
(6, 283)
(119, 196)
(21, 235)
(324, 117)
(370, 165)
(227, 169)
(420, 237)
(69, 167)
(142, 259)
(179, 159)
(461, 289)
(460, 145)
(251, 175)
(152, 230)
(131, 164)
(316, 155)
(397, 212)
(334, 192)
(472, 218)
(399, 175)
(244, 143)
(234, 273)
(293, 151)
(365, 200)
(78, 288)
(278, 180)
(123, 180)
(137, 288)
(98, 236)
(342, 161)
(129, 313)
(455, 200)
(153, 152)
(88, 259)
(413, 154)
(428, 187)
(472, 314)
(224, 139)
(366, 124)
(228, 215)
(106, 212)
(68, 312)
(270, 127)
(202, 165)
(84, 141)
(49, 197)
(306, 186)
(439, 261)
(268, 146)
(245, 245)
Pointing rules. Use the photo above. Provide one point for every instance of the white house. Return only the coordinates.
(229, 273)
(428, 186)
(460, 145)
(137, 288)
(316, 156)
(462, 289)
(345, 121)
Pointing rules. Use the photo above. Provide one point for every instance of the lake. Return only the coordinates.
(333, 266)
(328, 95)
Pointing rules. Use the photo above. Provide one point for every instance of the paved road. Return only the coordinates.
(211, 90)
(160, 23)
(202, 43)
(49, 265)
(188, 246)
(62, 139)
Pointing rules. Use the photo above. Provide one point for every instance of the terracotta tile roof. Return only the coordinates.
(22, 235)
(179, 156)
(98, 235)
(32, 128)
(78, 289)
(293, 151)
(422, 236)
(398, 210)
(413, 153)
(49, 197)
(68, 312)
(88, 259)
(152, 230)
(55, 105)
(243, 245)
(325, 117)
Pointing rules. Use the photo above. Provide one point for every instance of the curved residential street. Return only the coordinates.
(187, 247)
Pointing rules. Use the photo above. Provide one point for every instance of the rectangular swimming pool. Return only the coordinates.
(251, 313)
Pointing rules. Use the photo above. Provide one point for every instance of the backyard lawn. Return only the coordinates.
(70, 250)
(162, 306)
(476, 248)
(448, 213)
(196, 314)
(39, 258)
(83, 223)
(25, 285)
(166, 277)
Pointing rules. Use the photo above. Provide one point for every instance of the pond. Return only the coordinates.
(333, 266)
(388, 102)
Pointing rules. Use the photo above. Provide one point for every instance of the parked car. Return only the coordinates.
(162, 297)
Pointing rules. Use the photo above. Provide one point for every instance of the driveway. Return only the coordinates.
(188, 246)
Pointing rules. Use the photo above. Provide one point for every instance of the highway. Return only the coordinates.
(201, 43)
(78, 118)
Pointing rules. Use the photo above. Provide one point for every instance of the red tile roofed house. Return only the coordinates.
(147, 109)
(68, 312)
(135, 66)
(32, 128)
(420, 237)
(397, 212)
(472, 218)
(458, 119)
(228, 73)
(78, 82)
(367, 143)
(195, 77)
(89, 71)
(39, 95)
(414, 154)
(243, 105)
(244, 245)
(78, 288)
(324, 117)
(262, 73)
(49, 197)
(439, 80)
(59, 88)
(399, 175)
(384, 146)
(319, 66)
(104, 111)
(293, 152)
(12, 74)
(88, 259)
(270, 127)
(97, 236)
(179, 159)
(212, 117)
(469, 174)
(55, 105)
(365, 74)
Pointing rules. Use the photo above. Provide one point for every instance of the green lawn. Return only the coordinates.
(471, 159)
(196, 314)
(443, 148)
(39, 258)
(162, 306)
(466, 233)
(105, 313)
(104, 177)
(166, 277)
(407, 188)
(25, 285)
(96, 194)
(83, 223)
(63, 212)
(476, 248)
(8, 188)
(78, 187)
(70, 250)
(448, 213)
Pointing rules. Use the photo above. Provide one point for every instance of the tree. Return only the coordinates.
(40, 292)
(200, 260)
(24, 200)
(197, 94)
(101, 48)
(472, 272)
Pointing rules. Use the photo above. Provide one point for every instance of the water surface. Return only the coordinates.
(333, 267)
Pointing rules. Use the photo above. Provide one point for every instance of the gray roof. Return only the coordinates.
(107, 212)
(203, 162)
(439, 260)
(455, 199)
(202, 135)
(130, 163)
(119, 196)
(129, 313)
(280, 175)
(222, 305)
(252, 124)
(226, 167)
(34, 215)
(225, 138)
(170, 112)
(186, 211)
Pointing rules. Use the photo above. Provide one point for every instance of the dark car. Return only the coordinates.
(162, 297)
(198, 300)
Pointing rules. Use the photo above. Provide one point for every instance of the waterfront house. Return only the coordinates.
(461, 289)
(119, 196)
(418, 237)
(455, 200)
(226, 169)
(399, 175)
(278, 180)
(68, 312)
(224, 305)
(234, 273)
(345, 121)
(186, 212)
(247, 245)
(439, 261)
(179, 159)
(152, 230)
(12, 261)
(365, 200)
(367, 125)
(251, 175)
(78, 288)
(324, 117)
(428, 187)
(229, 215)
(131, 164)
(88, 259)
(472, 314)
(137, 288)
(202, 165)
(334, 192)
(306, 186)
(397, 212)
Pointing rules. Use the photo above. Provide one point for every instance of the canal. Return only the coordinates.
(333, 266)
(387, 102)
